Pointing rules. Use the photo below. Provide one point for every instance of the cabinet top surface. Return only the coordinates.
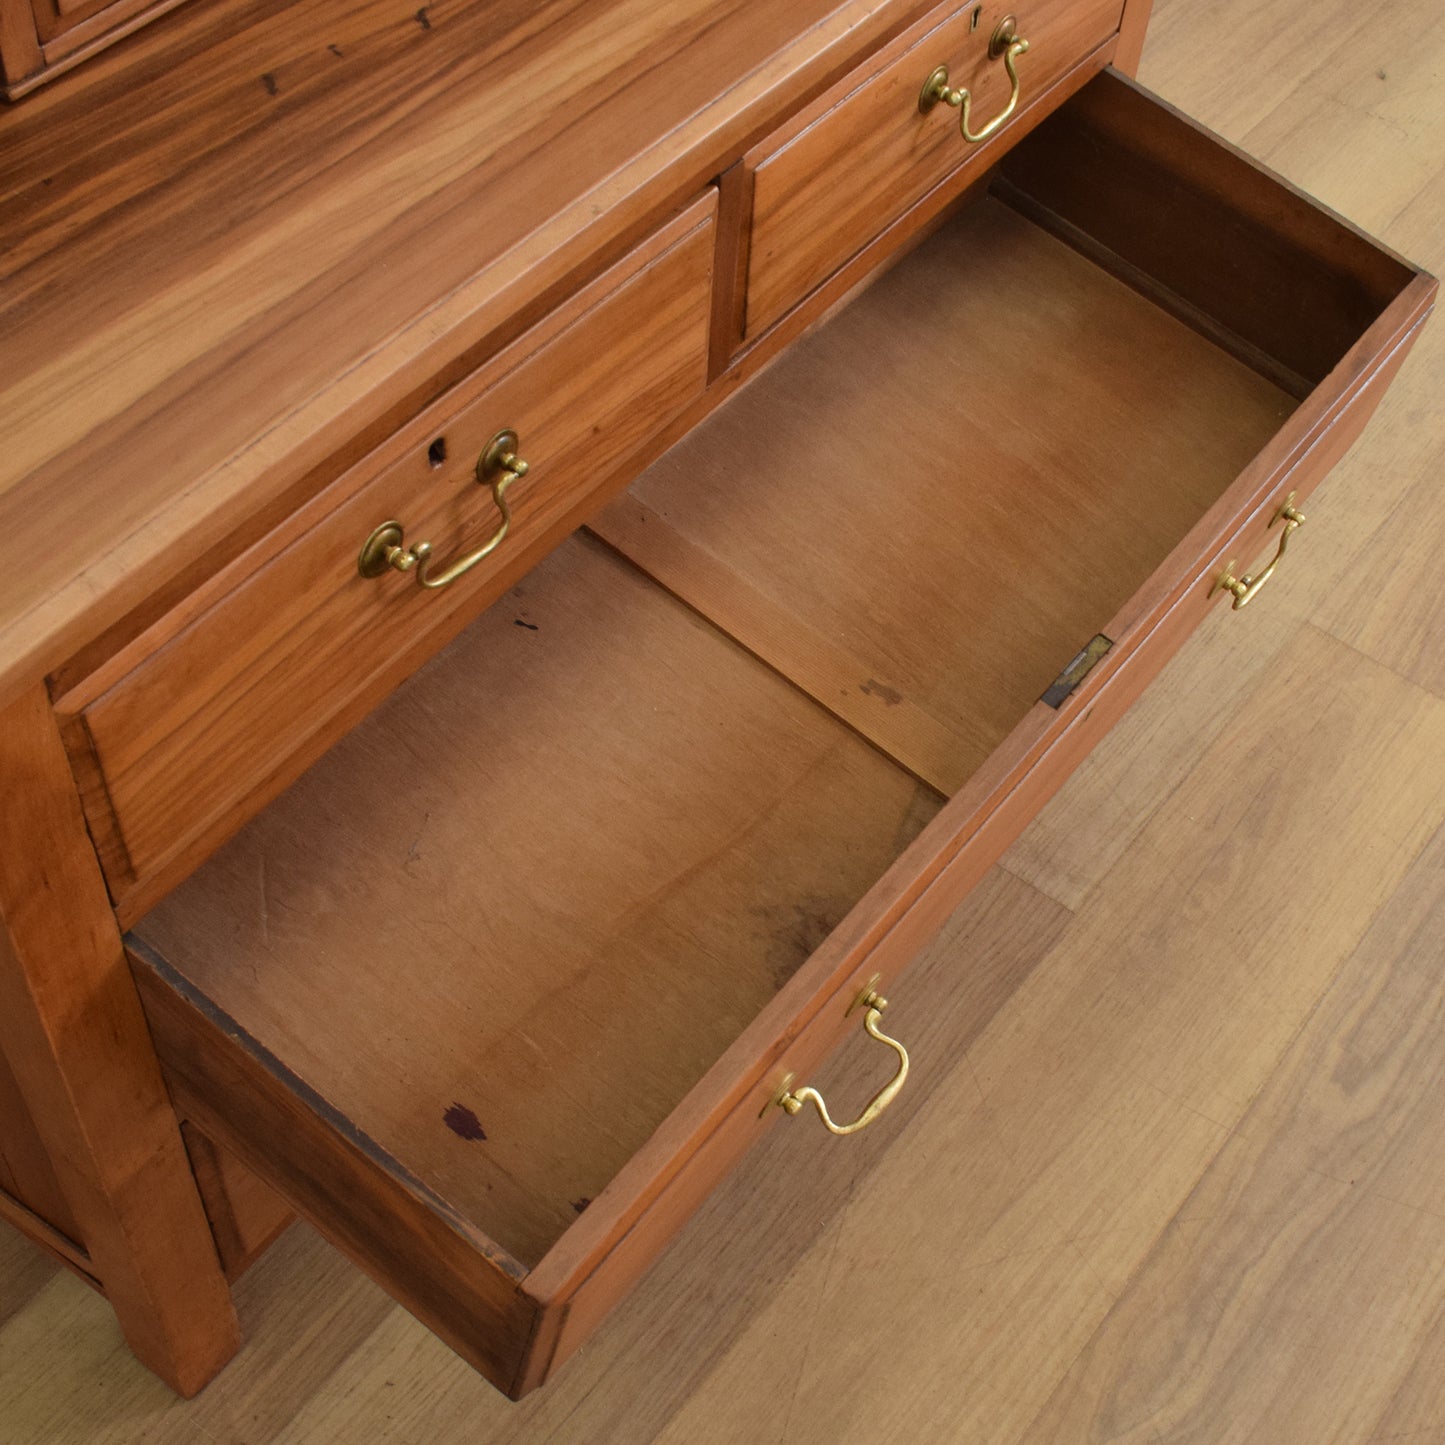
(249, 240)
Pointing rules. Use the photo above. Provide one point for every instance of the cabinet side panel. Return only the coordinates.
(20, 56)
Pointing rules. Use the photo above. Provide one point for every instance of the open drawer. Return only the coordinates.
(509, 979)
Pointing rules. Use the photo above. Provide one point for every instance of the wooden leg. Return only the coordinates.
(76, 1043)
(1132, 25)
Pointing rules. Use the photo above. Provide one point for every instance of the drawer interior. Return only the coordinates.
(541, 890)
(923, 542)
(508, 922)
(505, 929)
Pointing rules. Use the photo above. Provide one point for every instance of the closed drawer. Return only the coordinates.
(44, 38)
(865, 153)
(234, 695)
(55, 17)
(502, 987)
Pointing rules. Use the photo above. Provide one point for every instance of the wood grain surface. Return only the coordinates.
(295, 227)
(26, 1172)
(864, 152)
(1091, 1228)
(591, 873)
(84, 1070)
(221, 704)
(601, 1254)
(960, 426)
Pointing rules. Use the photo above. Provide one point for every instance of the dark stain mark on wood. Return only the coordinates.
(463, 1123)
(789, 933)
(890, 696)
(530, 626)
(336, 51)
(421, 18)
(580, 1204)
(269, 81)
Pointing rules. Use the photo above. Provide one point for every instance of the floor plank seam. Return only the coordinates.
(1322, 630)
(1177, 666)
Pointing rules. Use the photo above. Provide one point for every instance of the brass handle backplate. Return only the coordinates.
(1005, 41)
(497, 467)
(791, 1100)
(1245, 589)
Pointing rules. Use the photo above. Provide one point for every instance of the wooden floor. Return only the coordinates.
(1188, 1183)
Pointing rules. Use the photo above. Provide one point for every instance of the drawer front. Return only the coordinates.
(54, 17)
(190, 741)
(70, 29)
(865, 153)
(385, 1219)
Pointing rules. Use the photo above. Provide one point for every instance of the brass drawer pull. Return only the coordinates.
(497, 467)
(1245, 589)
(1005, 41)
(791, 1100)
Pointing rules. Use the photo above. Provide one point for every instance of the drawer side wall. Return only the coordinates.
(389, 1223)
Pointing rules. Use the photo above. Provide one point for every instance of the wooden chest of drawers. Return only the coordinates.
(487, 924)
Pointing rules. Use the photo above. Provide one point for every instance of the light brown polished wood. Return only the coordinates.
(237, 267)
(1132, 26)
(303, 1053)
(230, 697)
(42, 39)
(242, 181)
(27, 1175)
(715, 1345)
(863, 153)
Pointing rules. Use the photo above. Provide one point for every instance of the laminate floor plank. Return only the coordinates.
(1310, 1302)
(24, 1272)
(1390, 603)
(66, 1374)
(1100, 813)
(1203, 58)
(1353, 93)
